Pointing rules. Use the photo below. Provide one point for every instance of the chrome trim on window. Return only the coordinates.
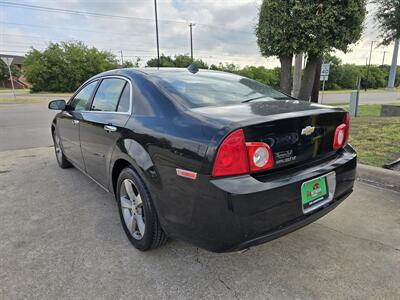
(129, 112)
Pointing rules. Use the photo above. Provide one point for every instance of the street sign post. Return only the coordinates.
(8, 62)
(325, 69)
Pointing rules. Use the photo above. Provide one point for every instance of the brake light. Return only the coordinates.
(235, 156)
(342, 133)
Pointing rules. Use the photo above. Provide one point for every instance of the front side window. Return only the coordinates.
(81, 99)
(108, 94)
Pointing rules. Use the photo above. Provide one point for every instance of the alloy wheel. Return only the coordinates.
(57, 148)
(132, 209)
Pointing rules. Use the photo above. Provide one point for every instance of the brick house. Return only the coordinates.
(19, 82)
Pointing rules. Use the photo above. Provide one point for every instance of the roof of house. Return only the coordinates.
(17, 59)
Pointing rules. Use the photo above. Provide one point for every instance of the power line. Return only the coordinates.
(113, 33)
(77, 12)
(95, 14)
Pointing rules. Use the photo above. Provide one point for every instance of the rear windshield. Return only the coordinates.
(215, 89)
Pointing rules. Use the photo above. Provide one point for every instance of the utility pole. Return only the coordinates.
(122, 58)
(369, 65)
(383, 60)
(158, 44)
(393, 67)
(191, 40)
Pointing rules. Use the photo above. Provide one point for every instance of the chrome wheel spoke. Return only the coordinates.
(129, 189)
(126, 203)
(138, 201)
(140, 224)
(132, 225)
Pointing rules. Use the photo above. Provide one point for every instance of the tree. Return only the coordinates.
(179, 61)
(277, 36)
(63, 67)
(131, 63)
(388, 16)
(291, 27)
(330, 25)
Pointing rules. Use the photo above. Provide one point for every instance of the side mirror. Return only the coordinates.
(57, 104)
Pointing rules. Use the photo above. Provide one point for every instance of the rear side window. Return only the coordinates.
(108, 94)
(124, 101)
(81, 99)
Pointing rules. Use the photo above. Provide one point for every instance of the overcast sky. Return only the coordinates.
(223, 32)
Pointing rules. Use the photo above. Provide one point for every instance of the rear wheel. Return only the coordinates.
(138, 216)
(61, 159)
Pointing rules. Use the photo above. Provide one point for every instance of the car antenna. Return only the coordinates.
(193, 69)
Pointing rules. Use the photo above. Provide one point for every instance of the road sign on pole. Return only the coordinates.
(325, 69)
(8, 62)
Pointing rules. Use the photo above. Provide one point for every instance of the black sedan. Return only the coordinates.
(212, 158)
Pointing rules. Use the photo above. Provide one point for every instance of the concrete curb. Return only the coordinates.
(379, 176)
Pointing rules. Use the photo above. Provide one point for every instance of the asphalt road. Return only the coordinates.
(61, 239)
(25, 126)
(365, 98)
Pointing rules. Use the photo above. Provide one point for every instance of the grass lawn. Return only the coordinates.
(22, 100)
(376, 139)
(17, 91)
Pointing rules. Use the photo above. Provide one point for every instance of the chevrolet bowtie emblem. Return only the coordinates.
(308, 130)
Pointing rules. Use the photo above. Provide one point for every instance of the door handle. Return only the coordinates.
(110, 128)
(75, 122)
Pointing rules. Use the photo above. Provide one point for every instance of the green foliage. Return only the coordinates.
(314, 27)
(388, 16)
(63, 67)
(4, 73)
(277, 31)
(261, 74)
(178, 61)
(332, 24)
(344, 76)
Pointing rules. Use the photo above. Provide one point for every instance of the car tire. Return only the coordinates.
(137, 213)
(61, 159)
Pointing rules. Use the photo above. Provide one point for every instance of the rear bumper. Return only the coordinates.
(290, 226)
(229, 214)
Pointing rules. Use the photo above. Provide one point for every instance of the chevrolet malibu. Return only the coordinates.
(211, 158)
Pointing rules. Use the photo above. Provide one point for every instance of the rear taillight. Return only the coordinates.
(232, 156)
(235, 156)
(342, 133)
(260, 156)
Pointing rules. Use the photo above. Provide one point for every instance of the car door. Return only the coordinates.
(103, 124)
(69, 122)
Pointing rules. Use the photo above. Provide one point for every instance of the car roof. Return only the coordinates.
(158, 72)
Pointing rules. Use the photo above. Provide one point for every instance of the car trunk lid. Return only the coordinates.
(297, 139)
(298, 132)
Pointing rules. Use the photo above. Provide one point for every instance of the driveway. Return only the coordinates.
(61, 238)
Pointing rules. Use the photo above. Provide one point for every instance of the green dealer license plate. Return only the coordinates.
(313, 192)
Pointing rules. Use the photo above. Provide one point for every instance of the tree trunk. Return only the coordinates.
(317, 82)
(308, 78)
(286, 73)
(298, 70)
